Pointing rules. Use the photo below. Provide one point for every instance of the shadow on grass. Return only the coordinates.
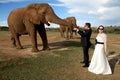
(72, 43)
(59, 44)
(113, 61)
(64, 44)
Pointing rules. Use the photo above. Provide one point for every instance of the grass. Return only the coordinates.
(3, 33)
(44, 67)
(54, 64)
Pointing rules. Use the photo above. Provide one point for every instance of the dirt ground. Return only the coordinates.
(7, 52)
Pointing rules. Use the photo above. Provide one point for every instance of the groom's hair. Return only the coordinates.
(88, 24)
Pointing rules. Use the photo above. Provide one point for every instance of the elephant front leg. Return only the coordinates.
(33, 36)
(42, 32)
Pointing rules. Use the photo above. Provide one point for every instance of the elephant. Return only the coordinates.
(30, 20)
(68, 29)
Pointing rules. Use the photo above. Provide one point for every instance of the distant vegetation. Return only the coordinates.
(108, 29)
(115, 30)
(4, 28)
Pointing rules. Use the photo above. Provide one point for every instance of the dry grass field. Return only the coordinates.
(60, 63)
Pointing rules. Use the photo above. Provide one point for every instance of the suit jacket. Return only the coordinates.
(85, 37)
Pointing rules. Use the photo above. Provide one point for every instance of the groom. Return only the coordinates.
(85, 41)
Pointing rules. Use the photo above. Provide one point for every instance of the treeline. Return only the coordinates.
(4, 28)
(108, 29)
(115, 30)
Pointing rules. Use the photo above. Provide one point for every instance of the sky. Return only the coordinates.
(97, 12)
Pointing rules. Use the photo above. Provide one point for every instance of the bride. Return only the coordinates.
(99, 63)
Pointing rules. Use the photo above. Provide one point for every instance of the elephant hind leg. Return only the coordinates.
(13, 41)
(67, 33)
(17, 40)
(63, 35)
(71, 35)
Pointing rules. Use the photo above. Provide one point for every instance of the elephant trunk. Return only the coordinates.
(53, 18)
(57, 20)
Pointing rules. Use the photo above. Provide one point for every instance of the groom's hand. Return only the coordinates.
(75, 29)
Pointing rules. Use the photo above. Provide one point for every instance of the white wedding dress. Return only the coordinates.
(99, 63)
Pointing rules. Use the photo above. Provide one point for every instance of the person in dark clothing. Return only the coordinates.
(85, 41)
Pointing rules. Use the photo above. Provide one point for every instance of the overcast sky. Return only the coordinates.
(97, 12)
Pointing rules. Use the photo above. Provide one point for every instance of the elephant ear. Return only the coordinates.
(32, 16)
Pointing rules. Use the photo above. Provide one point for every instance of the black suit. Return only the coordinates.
(85, 42)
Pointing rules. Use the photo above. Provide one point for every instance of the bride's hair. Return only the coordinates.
(100, 27)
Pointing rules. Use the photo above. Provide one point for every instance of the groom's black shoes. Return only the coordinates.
(85, 66)
(83, 62)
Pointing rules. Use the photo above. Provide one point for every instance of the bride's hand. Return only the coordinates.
(106, 53)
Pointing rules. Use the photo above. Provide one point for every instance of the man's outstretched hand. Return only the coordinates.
(75, 29)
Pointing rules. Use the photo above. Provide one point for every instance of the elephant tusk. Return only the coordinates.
(49, 22)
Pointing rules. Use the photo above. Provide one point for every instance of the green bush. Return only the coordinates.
(4, 28)
(109, 29)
